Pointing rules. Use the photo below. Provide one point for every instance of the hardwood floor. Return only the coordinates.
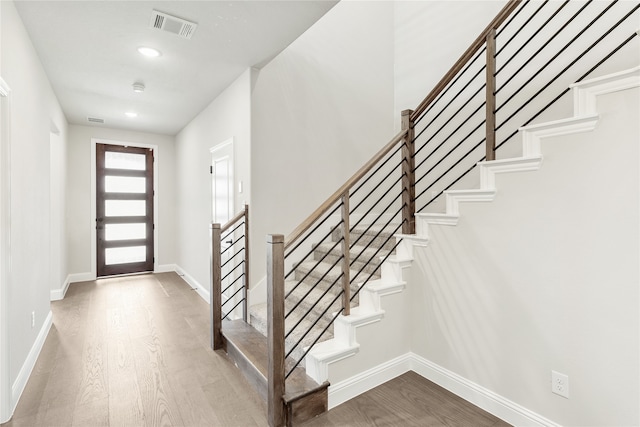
(134, 351)
(408, 400)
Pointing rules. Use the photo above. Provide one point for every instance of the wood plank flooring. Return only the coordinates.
(408, 400)
(134, 351)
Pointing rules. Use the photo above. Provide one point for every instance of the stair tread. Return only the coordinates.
(315, 294)
(259, 312)
(377, 235)
(374, 229)
(334, 272)
(364, 252)
(253, 345)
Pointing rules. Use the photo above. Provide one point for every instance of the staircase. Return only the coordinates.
(342, 271)
(311, 294)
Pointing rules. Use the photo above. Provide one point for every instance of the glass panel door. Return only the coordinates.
(124, 223)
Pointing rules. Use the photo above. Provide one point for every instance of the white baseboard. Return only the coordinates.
(25, 372)
(80, 277)
(481, 397)
(358, 384)
(58, 294)
(165, 268)
(201, 290)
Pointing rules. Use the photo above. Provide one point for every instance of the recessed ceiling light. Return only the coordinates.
(149, 51)
(138, 87)
(131, 114)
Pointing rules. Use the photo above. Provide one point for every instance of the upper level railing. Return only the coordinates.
(229, 273)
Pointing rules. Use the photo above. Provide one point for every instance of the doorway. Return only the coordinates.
(223, 210)
(222, 182)
(124, 210)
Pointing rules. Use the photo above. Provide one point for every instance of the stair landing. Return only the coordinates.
(304, 398)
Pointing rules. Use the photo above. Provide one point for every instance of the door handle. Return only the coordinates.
(229, 242)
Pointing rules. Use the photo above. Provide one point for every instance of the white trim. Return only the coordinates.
(533, 135)
(156, 162)
(165, 268)
(479, 396)
(5, 249)
(585, 92)
(25, 372)
(365, 381)
(222, 145)
(58, 294)
(231, 175)
(80, 277)
(201, 290)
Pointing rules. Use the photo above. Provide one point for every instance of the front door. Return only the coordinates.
(124, 209)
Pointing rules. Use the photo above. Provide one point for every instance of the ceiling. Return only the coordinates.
(89, 52)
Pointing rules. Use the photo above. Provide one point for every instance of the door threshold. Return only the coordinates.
(139, 273)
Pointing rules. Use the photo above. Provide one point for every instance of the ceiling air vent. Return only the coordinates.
(95, 120)
(172, 24)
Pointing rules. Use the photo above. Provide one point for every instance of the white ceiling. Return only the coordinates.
(89, 52)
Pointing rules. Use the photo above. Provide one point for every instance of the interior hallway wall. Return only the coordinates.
(320, 110)
(227, 117)
(34, 110)
(80, 225)
(57, 202)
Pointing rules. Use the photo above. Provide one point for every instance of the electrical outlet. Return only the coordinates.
(560, 384)
(33, 319)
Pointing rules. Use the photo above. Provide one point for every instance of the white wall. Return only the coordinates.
(57, 203)
(80, 224)
(320, 110)
(34, 110)
(228, 116)
(430, 36)
(546, 278)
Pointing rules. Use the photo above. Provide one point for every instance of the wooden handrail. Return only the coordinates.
(466, 57)
(307, 223)
(232, 221)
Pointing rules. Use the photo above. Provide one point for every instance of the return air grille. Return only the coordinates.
(172, 24)
(95, 120)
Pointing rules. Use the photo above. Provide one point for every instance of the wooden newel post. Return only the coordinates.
(216, 288)
(491, 95)
(245, 310)
(275, 330)
(408, 176)
(346, 259)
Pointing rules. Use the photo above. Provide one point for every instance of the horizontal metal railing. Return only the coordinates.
(522, 73)
(229, 273)
(517, 69)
